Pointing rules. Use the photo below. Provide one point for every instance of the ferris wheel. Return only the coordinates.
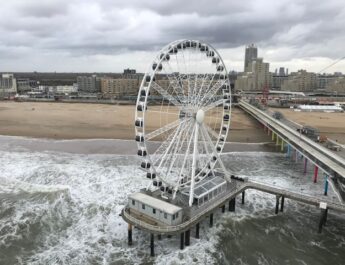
(182, 116)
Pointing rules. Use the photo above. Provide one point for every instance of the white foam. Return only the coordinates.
(80, 224)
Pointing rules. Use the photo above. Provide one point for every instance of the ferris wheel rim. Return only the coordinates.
(152, 73)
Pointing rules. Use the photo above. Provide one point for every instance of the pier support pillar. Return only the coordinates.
(272, 135)
(323, 217)
(223, 208)
(197, 229)
(316, 170)
(130, 241)
(187, 237)
(296, 155)
(211, 219)
(282, 145)
(277, 140)
(152, 245)
(282, 204)
(268, 131)
(232, 204)
(288, 150)
(182, 241)
(326, 185)
(305, 165)
(243, 195)
(277, 204)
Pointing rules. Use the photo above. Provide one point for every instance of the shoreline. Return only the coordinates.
(106, 146)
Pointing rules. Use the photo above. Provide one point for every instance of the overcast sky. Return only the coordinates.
(109, 35)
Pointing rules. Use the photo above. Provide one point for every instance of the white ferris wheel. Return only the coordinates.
(182, 117)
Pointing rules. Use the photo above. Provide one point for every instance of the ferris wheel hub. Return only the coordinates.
(200, 115)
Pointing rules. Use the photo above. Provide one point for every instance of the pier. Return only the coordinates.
(300, 146)
(234, 188)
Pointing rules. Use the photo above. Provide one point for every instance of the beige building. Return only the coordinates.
(300, 81)
(8, 84)
(120, 86)
(245, 81)
(337, 86)
(256, 77)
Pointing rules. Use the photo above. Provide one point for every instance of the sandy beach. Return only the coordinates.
(97, 121)
(330, 124)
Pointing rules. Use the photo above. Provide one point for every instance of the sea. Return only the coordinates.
(60, 203)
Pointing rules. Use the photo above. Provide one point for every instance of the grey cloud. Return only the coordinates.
(107, 27)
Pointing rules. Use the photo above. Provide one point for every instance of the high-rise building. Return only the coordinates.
(281, 71)
(257, 76)
(250, 54)
(278, 78)
(89, 84)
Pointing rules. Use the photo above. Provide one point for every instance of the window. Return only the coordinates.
(154, 211)
(165, 215)
(133, 202)
(143, 206)
(176, 215)
(173, 217)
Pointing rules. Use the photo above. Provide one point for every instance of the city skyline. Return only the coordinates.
(108, 36)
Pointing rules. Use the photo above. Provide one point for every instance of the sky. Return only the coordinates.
(110, 35)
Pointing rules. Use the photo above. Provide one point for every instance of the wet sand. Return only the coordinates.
(96, 121)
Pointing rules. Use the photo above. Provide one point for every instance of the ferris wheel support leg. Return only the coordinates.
(191, 195)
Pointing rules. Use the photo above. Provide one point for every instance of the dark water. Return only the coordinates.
(63, 208)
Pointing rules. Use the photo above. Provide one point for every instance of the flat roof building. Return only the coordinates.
(159, 210)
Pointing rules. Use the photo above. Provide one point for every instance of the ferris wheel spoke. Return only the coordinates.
(168, 143)
(198, 89)
(207, 145)
(217, 155)
(204, 89)
(210, 93)
(195, 154)
(185, 158)
(174, 81)
(211, 131)
(197, 80)
(162, 130)
(174, 156)
(165, 94)
(169, 146)
(213, 105)
(157, 155)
